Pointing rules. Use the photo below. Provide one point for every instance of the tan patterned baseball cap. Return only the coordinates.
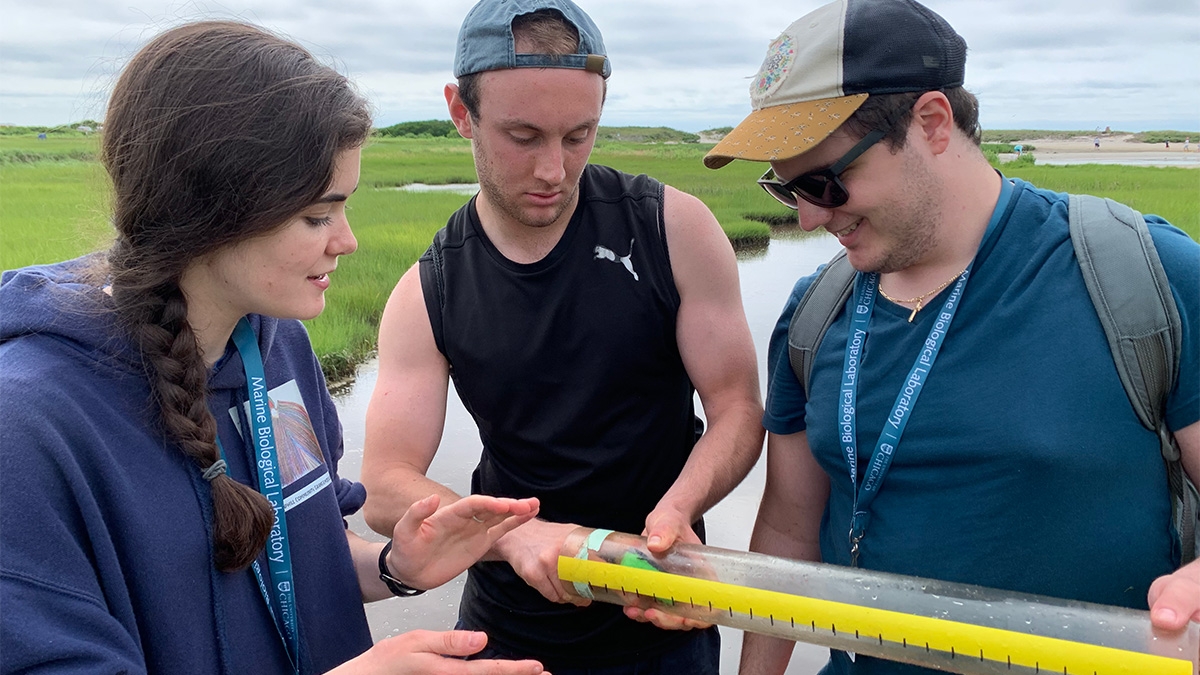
(826, 64)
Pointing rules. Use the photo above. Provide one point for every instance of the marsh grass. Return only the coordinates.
(393, 229)
(53, 206)
(393, 162)
(741, 207)
(29, 149)
(1172, 193)
(51, 211)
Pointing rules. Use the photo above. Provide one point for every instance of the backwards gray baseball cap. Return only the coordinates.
(485, 41)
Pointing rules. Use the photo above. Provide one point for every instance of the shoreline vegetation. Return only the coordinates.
(53, 199)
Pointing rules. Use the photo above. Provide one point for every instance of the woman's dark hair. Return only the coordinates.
(216, 132)
(893, 112)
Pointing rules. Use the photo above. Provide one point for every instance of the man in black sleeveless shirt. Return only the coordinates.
(577, 310)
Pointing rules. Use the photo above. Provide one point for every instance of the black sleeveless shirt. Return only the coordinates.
(570, 368)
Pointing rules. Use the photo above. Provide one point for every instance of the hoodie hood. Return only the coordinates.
(62, 301)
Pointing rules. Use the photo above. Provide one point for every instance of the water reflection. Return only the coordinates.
(767, 275)
(756, 250)
(453, 188)
(750, 250)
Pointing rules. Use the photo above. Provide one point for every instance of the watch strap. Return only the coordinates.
(397, 587)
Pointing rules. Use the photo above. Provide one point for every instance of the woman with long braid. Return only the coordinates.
(169, 495)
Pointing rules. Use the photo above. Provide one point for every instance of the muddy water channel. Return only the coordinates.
(767, 276)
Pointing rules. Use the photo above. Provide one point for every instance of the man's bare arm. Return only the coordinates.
(405, 420)
(788, 526)
(407, 410)
(718, 353)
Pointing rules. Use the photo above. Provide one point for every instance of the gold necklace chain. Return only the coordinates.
(920, 299)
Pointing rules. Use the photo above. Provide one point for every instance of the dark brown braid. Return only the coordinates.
(216, 132)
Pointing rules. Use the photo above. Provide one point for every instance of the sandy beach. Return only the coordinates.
(1114, 149)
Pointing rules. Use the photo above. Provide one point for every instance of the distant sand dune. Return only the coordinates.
(1114, 149)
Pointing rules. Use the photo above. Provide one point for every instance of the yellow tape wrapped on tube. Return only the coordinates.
(951, 627)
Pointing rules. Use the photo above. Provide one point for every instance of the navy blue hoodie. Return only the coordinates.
(105, 527)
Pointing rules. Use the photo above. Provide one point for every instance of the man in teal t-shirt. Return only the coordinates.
(966, 420)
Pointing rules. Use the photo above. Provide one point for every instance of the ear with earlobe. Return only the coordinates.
(458, 111)
(933, 120)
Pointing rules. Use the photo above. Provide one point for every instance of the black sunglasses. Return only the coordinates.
(822, 187)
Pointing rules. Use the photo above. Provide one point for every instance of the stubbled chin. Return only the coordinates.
(861, 259)
(542, 216)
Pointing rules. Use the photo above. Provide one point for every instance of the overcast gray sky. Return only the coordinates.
(1049, 64)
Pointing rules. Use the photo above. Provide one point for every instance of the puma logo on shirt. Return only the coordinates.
(626, 260)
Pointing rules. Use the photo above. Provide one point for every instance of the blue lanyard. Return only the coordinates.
(270, 484)
(866, 287)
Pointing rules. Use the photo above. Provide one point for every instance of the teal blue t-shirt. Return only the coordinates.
(1023, 466)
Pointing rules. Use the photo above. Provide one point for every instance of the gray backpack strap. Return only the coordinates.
(1133, 300)
(820, 304)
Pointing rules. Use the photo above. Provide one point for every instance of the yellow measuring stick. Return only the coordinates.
(871, 625)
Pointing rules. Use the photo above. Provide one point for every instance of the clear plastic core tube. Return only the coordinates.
(947, 626)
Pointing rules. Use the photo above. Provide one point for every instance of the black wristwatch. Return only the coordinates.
(394, 585)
